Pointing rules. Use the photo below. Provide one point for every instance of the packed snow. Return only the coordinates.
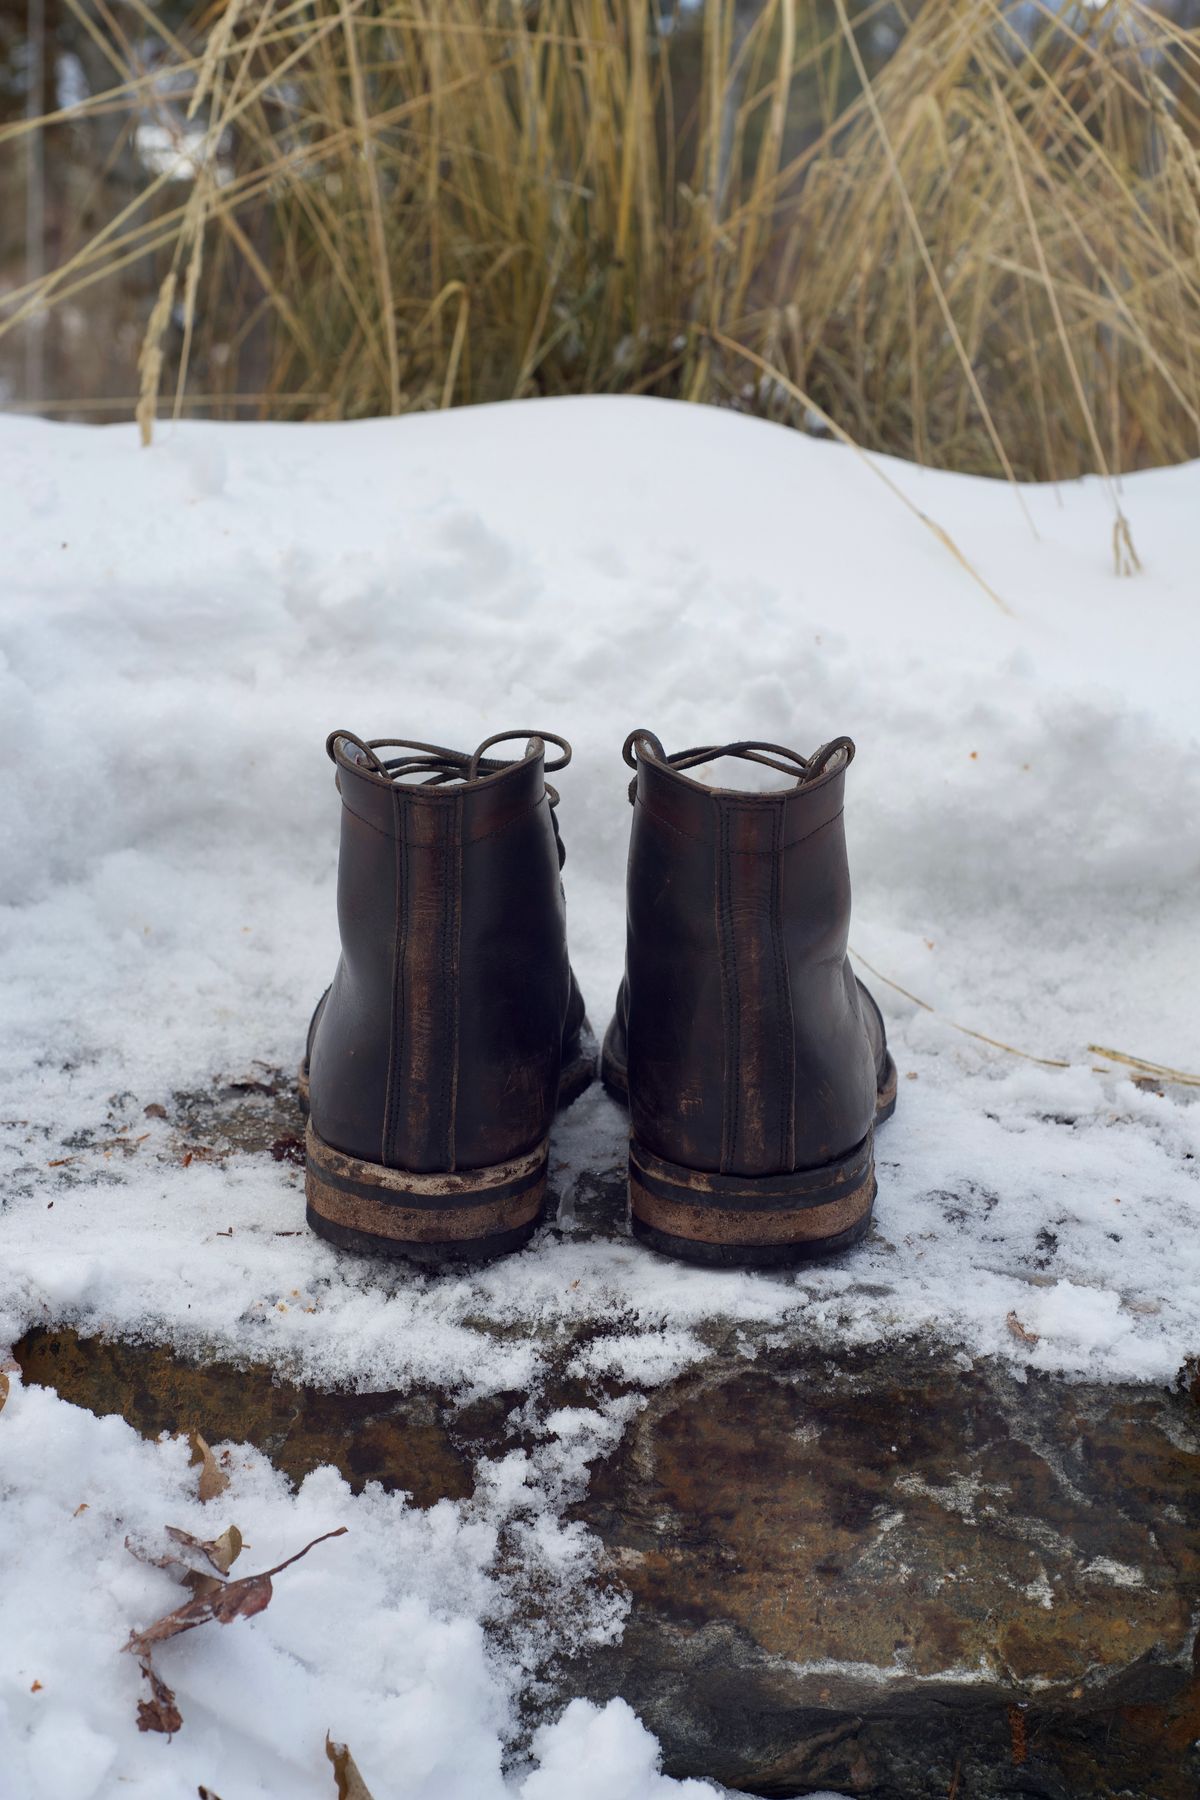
(383, 1638)
(181, 628)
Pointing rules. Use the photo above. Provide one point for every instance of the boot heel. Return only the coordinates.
(755, 1221)
(461, 1216)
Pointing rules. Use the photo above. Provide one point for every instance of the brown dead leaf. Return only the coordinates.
(221, 1552)
(160, 1712)
(81, 1508)
(350, 1784)
(212, 1599)
(155, 1110)
(200, 1584)
(4, 1387)
(35, 1687)
(213, 1480)
(1018, 1330)
(223, 1601)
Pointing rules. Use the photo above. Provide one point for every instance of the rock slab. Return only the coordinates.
(884, 1571)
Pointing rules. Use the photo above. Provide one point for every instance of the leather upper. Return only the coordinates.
(438, 1045)
(750, 1047)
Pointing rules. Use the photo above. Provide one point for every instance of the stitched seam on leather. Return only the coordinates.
(784, 1028)
(396, 1018)
(482, 836)
(730, 999)
(696, 837)
(724, 983)
(452, 971)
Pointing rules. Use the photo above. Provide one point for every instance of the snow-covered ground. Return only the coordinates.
(181, 628)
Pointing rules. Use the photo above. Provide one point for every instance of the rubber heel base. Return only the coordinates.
(748, 1221)
(468, 1215)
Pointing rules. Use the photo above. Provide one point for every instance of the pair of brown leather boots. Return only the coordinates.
(753, 1063)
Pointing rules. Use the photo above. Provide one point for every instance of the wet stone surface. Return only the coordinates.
(887, 1571)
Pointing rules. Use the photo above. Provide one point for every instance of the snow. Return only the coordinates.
(181, 627)
(378, 1637)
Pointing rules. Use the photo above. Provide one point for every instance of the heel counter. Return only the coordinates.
(758, 1129)
(422, 1078)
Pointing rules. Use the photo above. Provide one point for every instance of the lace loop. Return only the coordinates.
(772, 756)
(432, 765)
(543, 737)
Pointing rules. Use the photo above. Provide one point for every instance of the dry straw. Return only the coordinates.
(967, 233)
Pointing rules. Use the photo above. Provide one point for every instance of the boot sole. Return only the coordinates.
(766, 1221)
(469, 1215)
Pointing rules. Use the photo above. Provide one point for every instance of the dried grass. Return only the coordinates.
(981, 251)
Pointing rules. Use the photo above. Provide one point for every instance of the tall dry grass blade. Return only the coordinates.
(914, 225)
(1163, 1070)
(1045, 1062)
(831, 425)
(1124, 554)
(379, 249)
(150, 359)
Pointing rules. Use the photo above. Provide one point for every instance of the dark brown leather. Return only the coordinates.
(439, 1043)
(744, 1041)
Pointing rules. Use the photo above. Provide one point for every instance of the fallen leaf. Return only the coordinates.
(4, 1387)
(160, 1712)
(1018, 1330)
(206, 1793)
(213, 1480)
(350, 1784)
(81, 1508)
(223, 1601)
(221, 1552)
(35, 1687)
(212, 1599)
(196, 1580)
(155, 1110)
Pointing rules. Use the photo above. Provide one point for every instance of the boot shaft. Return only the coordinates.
(438, 1046)
(747, 1053)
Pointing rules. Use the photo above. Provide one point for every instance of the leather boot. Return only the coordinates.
(753, 1062)
(454, 1026)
